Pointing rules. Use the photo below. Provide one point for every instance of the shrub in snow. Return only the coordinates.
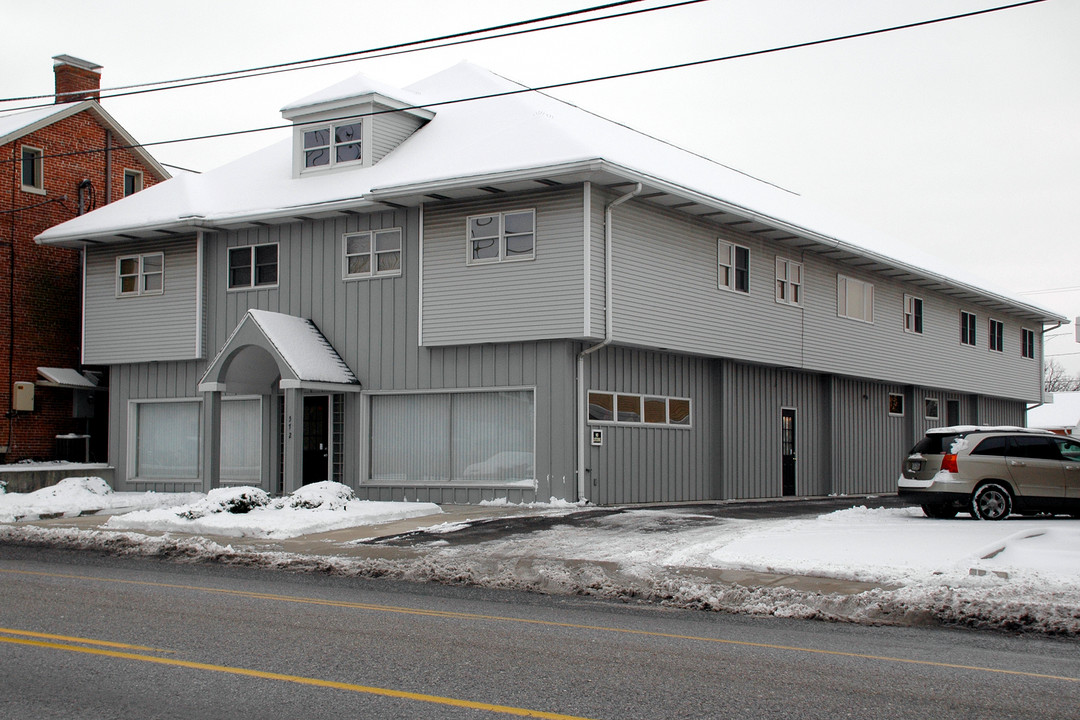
(93, 485)
(3, 486)
(235, 500)
(324, 495)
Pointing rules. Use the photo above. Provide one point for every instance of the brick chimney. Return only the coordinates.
(76, 79)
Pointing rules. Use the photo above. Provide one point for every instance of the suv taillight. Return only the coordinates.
(948, 464)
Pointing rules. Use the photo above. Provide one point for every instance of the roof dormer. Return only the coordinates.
(352, 124)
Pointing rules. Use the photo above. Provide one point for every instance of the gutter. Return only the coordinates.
(608, 336)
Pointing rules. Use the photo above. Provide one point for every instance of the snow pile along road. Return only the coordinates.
(81, 496)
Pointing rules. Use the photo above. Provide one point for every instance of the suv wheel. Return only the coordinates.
(939, 511)
(991, 502)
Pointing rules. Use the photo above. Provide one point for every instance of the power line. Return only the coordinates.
(384, 51)
(568, 83)
(1052, 290)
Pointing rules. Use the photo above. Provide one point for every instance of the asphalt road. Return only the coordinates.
(88, 636)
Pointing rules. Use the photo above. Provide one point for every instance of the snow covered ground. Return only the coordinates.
(1020, 574)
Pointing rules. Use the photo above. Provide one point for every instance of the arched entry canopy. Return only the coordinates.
(268, 347)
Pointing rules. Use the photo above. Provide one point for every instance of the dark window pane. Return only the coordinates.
(655, 410)
(315, 158)
(991, 446)
(679, 411)
(388, 240)
(601, 406)
(629, 408)
(127, 284)
(517, 245)
(1037, 448)
(129, 266)
(484, 249)
(347, 133)
(348, 153)
(483, 227)
(317, 138)
(742, 269)
(356, 244)
(518, 223)
(360, 265)
(240, 277)
(389, 261)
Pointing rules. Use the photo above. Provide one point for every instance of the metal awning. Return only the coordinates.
(65, 378)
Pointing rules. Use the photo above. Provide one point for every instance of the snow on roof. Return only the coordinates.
(308, 353)
(16, 124)
(518, 132)
(355, 86)
(1063, 412)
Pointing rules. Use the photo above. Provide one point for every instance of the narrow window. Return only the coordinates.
(931, 409)
(913, 314)
(896, 404)
(372, 253)
(997, 335)
(967, 328)
(788, 281)
(1027, 343)
(253, 266)
(140, 274)
(733, 267)
(501, 237)
(32, 169)
(854, 299)
(647, 411)
(133, 182)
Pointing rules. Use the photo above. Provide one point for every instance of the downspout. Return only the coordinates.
(1042, 367)
(9, 412)
(108, 167)
(608, 337)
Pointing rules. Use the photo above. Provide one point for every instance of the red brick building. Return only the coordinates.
(56, 162)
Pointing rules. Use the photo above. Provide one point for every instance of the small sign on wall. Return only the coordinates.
(597, 437)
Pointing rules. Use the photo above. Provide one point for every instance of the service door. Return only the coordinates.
(316, 438)
(787, 451)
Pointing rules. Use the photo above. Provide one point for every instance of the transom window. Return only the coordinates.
(1027, 343)
(373, 253)
(967, 328)
(913, 314)
(133, 182)
(33, 176)
(501, 237)
(253, 266)
(332, 145)
(733, 266)
(997, 335)
(140, 274)
(854, 299)
(634, 409)
(789, 281)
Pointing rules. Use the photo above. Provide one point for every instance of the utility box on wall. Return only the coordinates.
(22, 399)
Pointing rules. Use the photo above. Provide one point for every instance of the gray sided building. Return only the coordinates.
(460, 304)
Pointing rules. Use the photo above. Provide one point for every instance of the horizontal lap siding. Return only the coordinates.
(390, 130)
(642, 464)
(144, 327)
(505, 301)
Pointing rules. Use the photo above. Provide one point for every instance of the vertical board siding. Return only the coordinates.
(645, 464)
(534, 299)
(144, 327)
(995, 411)
(868, 444)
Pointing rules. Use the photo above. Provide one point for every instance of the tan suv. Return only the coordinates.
(991, 472)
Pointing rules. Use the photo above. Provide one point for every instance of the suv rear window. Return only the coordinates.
(936, 444)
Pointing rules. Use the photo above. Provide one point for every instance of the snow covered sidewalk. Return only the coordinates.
(1020, 574)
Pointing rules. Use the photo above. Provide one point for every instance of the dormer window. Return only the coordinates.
(332, 145)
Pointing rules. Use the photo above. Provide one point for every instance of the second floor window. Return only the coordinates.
(788, 281)
(140, 274)
(33, 177)
(253, 266)
(967, 328)
(133, 182)
(372, 254)
(501, 237)
(1027, 343)
(732, 266)
(854, 299)
(913, 314)
(997, 335)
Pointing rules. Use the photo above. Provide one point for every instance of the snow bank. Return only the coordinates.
(79, 496)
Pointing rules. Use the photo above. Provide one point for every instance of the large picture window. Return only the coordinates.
(501, 237)
(166, 440)
(253, 266)
(467, 437)
(854, 299)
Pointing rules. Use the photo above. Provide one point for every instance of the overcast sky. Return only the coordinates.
(960, 138)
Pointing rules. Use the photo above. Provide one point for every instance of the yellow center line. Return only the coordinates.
(547, 623)
(86, 641)
(300, 680)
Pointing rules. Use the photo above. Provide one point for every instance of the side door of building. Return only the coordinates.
(1036, 466)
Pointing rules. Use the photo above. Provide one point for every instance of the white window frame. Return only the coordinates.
(132, 440)
(141, 275)
(502, 238)
(890, 406)
(137, 180)
(252, 284)
(789, 281)
(642, 398)
(38, 188)
(969, 322)
(332, 144)
(995, 335)
(728, 268)
(373, 253)
(844, 284)
(1027, 343)
(257, 480)
(931, 403)
(913, 314)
